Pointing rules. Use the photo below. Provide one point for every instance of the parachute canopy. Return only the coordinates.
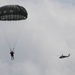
(12, 12)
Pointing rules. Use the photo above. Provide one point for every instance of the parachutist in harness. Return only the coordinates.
(12, 13)
(12, 54)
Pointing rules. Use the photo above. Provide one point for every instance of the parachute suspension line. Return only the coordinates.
(18, 36)
(6, 38)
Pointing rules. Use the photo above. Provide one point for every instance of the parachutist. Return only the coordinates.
(12, 13)
(12, 55)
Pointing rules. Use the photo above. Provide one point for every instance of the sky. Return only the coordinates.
(47, 33)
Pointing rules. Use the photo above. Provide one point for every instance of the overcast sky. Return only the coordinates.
(48, 32)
